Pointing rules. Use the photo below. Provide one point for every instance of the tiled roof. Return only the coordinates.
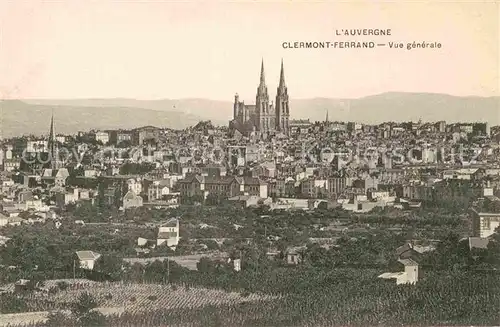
(403, 248)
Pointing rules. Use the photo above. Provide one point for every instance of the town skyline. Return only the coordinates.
(19, 116)
(103, 50)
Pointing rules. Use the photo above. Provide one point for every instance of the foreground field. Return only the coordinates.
(344, 297)
(308, 297)
(116, 298)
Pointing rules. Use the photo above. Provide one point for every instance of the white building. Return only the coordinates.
(158, 189)
(132, 200)
(4, 220)
(135, 185)
(102, 137)
(90, 173)
(484, 224)
(408, 276)
(37, 146)
(168, 233)
(11, 221)
(61, 139)
(87, 259)
(237, 264)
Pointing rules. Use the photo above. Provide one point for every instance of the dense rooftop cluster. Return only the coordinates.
(209, 207)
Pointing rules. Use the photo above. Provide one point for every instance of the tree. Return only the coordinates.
(492, 206)
(213, 199)
(205, 265)
(93, 319)
(10, 303)
(62, 285)
(84, 312)
(316, 255)
(110, 266)
(84, 305)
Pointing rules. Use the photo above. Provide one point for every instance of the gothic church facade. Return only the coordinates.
(263, 118)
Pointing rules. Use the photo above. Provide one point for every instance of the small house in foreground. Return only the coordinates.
(168, 233)
(294, 255)
(87, 259)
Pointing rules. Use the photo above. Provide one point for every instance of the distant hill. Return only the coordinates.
(33, 116)
(401, 107)
(220, 112)
(19, 117)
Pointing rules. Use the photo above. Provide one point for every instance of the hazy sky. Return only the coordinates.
(152, 49)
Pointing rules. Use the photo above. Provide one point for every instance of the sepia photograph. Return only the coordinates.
(273, 163)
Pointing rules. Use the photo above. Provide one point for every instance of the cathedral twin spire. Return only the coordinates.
(265, 116)
(262, 84)
(262, 89)
(282, 76)
(277, 117)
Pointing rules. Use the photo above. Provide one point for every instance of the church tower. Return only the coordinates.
(52, 138)
(282, 107)
(236, 107)
(53, 149)
(262, 103)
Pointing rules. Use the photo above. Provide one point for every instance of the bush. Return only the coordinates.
(53, 290)
(85, 304)
(62, 286)
(10, 303)
(59, 319)
(93, 318)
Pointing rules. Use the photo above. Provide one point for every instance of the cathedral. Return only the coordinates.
(263, 118)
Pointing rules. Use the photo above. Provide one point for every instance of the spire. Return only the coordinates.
(326, 120)
(51, 133)
(262, 88)
(51, 142)
(262, 75)
(282, 75)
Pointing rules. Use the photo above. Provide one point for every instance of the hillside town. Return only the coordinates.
(326, 164)
(267, 211)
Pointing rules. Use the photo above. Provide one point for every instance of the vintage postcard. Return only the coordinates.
(249, 163)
